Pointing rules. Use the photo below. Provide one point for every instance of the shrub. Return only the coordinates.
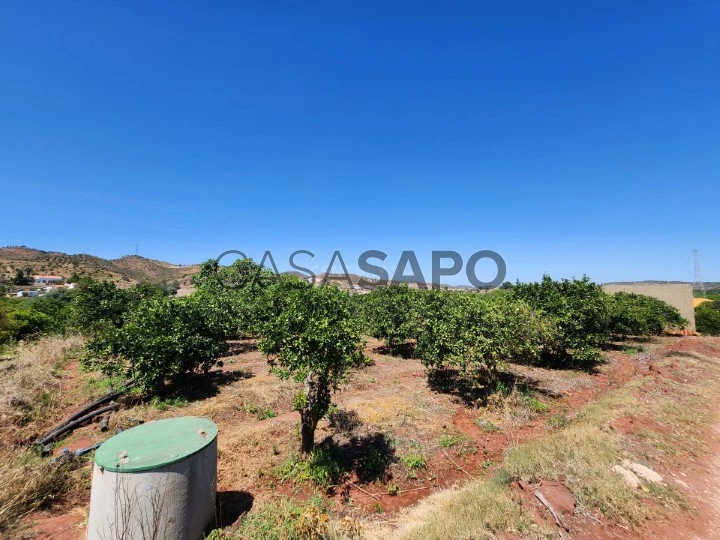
(707, 318)
(414, 462)
(640, 315)
(476, 333)
(162, 338)
(580, 316)
(18, 321)
(388, 313)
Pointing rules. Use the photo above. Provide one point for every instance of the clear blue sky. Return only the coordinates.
(570, 137)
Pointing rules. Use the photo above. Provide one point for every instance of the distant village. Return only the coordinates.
(40, 286)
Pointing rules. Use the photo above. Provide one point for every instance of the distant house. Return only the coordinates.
(47, 279)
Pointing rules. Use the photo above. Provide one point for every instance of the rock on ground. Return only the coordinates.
(644, 472)
(629, 477)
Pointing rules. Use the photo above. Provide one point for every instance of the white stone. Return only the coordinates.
(629, 477)
(644, 472)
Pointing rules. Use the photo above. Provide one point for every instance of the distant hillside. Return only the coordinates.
(126, 270)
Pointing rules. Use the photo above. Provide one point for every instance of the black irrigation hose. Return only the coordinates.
(82, 412)
(71, 425)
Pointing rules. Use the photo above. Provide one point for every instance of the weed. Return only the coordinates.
(261, 413)
(321, 467)
(414, 462)
(287, 520)
(487, 426)
(535, 405)
(393, 489)
(448, 441)
(163, 404)
(559, 420)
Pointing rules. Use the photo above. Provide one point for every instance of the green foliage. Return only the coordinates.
(535, 405)
(101, 305)
(23, 277)
(640, 315)
(388, 313)
(414, 462)
(448, 441)
(707, 318)
(239, 294)
(18, 321)
(161, 339)
(477, 332)
(311, 336)
(579, 313)
(321, 467)
(261, 413)
(286, 519)
(58, 306)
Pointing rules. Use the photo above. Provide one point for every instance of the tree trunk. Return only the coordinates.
(308, 417)
(307, 435)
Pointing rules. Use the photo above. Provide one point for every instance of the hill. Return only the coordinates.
(126, 270)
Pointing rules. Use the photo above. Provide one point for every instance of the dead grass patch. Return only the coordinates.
(478, 510)
(31, 383)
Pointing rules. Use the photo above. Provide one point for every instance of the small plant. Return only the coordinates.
(487, 463)
(448, 441)
(487, 426)
(379, 508)
(286, 519)
(163, 404)
(321, 467)
(393, 489)
(414, 462)
(261, 413)
(535, 405)
(559, 420)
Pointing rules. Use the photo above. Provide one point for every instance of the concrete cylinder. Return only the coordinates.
(156, 480)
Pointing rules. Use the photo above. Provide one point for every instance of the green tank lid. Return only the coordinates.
(155, 444)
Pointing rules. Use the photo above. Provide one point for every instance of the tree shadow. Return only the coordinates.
(194, 386)
(566, 362)
(239, 347)
(365, 456)
(201, 386)
(231, 506)
(471, 393)
(404, 350)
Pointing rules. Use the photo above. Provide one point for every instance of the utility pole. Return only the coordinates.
(697, 277)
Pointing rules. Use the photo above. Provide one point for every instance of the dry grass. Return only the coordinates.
(31, 392)
(27, 483)
(476, 511)
(31, 383)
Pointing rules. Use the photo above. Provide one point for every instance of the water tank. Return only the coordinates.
(156, 480)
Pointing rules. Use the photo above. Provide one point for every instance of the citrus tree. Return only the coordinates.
(311, 336)
(388, 313)
(237, 291)
(707, 318)
(640, 315)
(161, 339)
(579, 309)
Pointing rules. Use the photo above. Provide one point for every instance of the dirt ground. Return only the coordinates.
(393, 412)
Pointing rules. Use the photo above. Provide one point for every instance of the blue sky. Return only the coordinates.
(574, 137)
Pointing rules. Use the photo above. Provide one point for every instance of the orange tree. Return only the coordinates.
(310, 335)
